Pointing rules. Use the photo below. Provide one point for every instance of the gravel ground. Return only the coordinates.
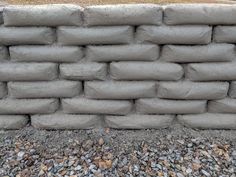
(175, 152)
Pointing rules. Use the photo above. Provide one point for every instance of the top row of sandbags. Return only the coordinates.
(129, 14)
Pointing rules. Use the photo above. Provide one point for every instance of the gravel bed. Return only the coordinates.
(175, 152)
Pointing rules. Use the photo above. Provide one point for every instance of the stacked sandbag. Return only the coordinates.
(135, 66)
(29, 69)
(209, 68)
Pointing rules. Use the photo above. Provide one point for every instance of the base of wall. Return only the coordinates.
(73, 122)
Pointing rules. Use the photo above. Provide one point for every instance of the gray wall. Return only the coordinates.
(123, 66)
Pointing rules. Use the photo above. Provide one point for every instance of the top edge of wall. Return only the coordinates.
(119, 14)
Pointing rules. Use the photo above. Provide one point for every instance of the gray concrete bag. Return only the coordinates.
(84, 71)
(124, 14)
(192, 90)
(120, 89)
(10, 122)
(199, 53)
(28, 71)
(26, 35)
(51, 89)
(95, 35)
(145, 71)
(226, 105)
(134, 52)
(162, 106)
(28, 106)
(65, 121)
(136, 121)
(182, 34)
(208, 121)
(90, 106)
(210, 14)
(43, 15)
(46, 53)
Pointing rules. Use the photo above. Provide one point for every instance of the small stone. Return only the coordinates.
(136, 168)
(20, 155)
(189, 170)
(180, 141)
(101, 141)
(71, 163)
(179, 175)
(159, 166)
(190, 145)
(41, 172)
(87, 145)
(205, 173)
(78, 168)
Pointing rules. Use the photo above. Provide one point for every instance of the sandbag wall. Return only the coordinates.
(122, 66)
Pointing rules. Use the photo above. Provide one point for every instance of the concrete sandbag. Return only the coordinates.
(211, 71)
(123, 14)
(26, 35)
(136, 121)
(232, 90)
(95, 35)
(11, 122)
(65, 121)
(1, 15)
(52, 89)
(84, 71)
(89, 106)
(119, 89)
(42, 15)
(28, 106)
(226, 105)
(201, 53)
(184, 34)
(209, 121)
(193, 90)
(225, 34)
(143, 52)
(162, 106)
(46, 53)
(210, 14)
(3, 53)
(3, 89)
(145, 71)
(27, 71)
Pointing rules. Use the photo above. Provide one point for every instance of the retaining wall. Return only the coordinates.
(123, 66)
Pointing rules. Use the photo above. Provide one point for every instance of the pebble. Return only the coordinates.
(167, 156)
(20, 155)
(179, 175)
(189, 170)
(205, 173)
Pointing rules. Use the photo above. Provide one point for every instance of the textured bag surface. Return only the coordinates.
(95, 35)
(209, 121)
(209, 14)
(133, 66)
(184, 34)
(201, 53)
(161, 106)
(65, 121)
(120, 89)
(139, 121)
(128, 14)
(10, 122)
(26, 35)
(145, 71)
(193, 90)
(43, 15)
